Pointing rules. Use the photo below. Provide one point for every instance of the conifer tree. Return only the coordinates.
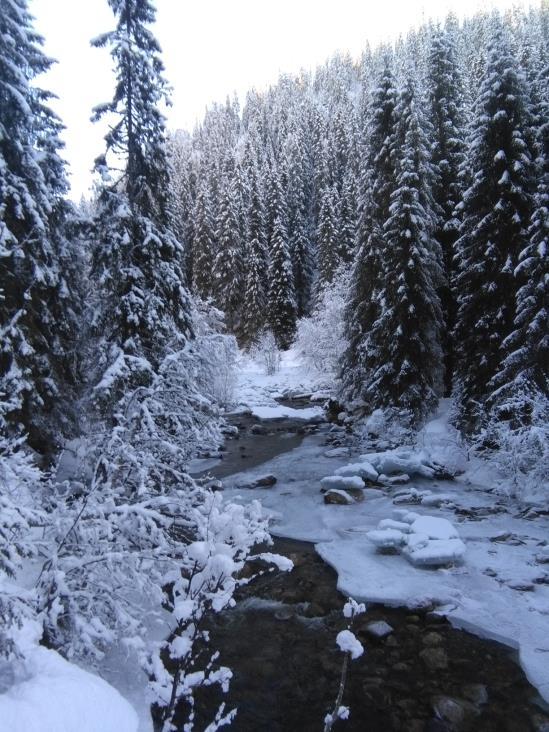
(447, 150)
(327, 235)
(281, 304)
(228, 262)
(524, 371)
(378, 180)
(347, 219)
(495, 215)
(38, 299)
(254, 310)
(403, 354)
(143, 305)
(298, 197)
(203, 243)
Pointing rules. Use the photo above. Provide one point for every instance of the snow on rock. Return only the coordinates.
(434, 552)
(54, 695)
(279, 412)
(427, 541)
(349, 643)
(341, 482)
(405, 461)
(363, 470)
(387, 539)
(434, 527)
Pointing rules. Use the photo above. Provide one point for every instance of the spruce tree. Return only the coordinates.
(327, 236)
(495, 215)
(38, 298)
(298, 196)
(524, 372)
(254, 310)
(228, 262)
(403, 354)
(281, 302)
(203, 243)
(447, 150)
(378, 180)
(142, 303)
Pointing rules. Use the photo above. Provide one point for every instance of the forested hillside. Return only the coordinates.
(421, 167)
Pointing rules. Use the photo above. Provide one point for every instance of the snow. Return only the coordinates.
(52, 695)
(257, 391)
(475, 594)
(363, 469)
(279, 411)
(349, 643)
(340, 482)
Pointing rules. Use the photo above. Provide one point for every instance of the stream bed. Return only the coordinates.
(279, 641)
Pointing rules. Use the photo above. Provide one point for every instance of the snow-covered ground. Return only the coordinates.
(52, 695)
(257, 391)
(500, 590)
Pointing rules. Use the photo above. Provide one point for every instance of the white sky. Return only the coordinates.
(212, 48)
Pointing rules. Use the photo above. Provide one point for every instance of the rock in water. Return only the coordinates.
(341, 497)
(266, 481)
(379, 629)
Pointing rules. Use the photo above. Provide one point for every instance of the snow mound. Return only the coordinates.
(363, 470)
(57, 696)
(427, 541)
(412, 462)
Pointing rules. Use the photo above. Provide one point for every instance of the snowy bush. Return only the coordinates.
(266, 352)
(202, 583)
(320, 339)
(20, 481)
(216, 353)
(519, 451)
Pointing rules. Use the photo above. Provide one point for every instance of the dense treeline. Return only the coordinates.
(425, 166)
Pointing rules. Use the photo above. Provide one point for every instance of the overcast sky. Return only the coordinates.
(212, 48)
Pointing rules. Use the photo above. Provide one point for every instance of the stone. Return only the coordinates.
(343, 497)
(379, 629)
(521, 586)
(434, 658)
(432, 639)
(397, 479)
(453, 710)
(258, 429)
(540, 723)
(215, 485)
(477, 694)
(266, 481)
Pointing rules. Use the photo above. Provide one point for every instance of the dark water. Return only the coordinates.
(248, 450)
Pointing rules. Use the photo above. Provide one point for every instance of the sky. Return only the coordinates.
(212, 48)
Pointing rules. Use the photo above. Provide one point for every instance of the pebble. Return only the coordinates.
(379, 629)
(452, 710)
(476, 693)
(432, 639)
(434, 658)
